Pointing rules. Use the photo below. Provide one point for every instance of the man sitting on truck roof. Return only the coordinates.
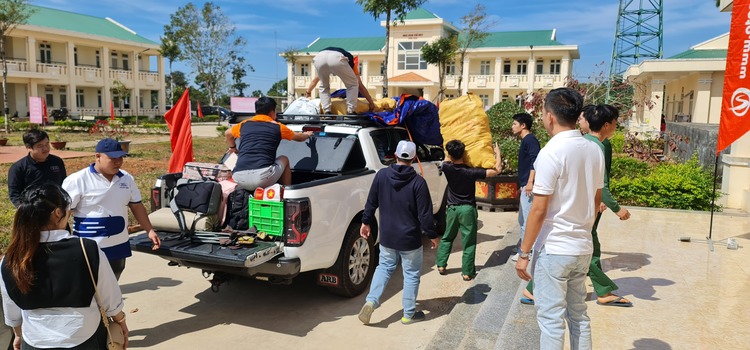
(259, 137)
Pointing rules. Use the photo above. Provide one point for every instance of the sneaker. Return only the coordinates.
(418, 316)
(366, 312)
(514, 257)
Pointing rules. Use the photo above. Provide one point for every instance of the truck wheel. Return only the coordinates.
(356, 262)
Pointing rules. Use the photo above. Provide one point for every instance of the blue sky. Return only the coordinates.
(271, 26)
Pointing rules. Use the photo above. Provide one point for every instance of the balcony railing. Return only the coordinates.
(547, 80)
(89, 74)
(375, 79)
(302, 81)
(481, 81)
(52, 69)
(122, 75)
(91, 111)
(151, 79)
(17, 65)
(515, 80)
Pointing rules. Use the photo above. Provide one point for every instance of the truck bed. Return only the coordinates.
(185, 251)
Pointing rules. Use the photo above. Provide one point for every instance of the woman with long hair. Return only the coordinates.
(48, 295)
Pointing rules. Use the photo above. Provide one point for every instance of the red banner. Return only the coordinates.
(735, 104)
(198, 107)
(111, 110)
(178, 121)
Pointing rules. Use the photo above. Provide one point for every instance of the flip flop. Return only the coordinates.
(468, 278)
(616, 302)
(442, 270)
(527, 301)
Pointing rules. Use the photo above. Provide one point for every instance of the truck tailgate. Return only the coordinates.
(184, 249)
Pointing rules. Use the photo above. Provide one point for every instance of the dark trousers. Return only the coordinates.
(117, 267)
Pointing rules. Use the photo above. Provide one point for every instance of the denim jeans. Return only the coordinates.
(523, 212)
(411, 264)
(559, 295)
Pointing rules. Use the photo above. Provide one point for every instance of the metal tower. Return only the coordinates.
(639, 34)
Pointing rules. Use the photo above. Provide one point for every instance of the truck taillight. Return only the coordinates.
(298, 218)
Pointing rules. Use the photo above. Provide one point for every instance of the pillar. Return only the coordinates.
(498, 78)
(701, 109)
(71, 95)
(465, 84)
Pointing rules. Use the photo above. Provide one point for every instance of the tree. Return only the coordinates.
(256, 93)
(440, 53)
(208, 41)
(239, 71)
(290, 56)
(171, 51)
(12, 13)
(392, 9)
(278, 88)
(474, 27)
(122, 92)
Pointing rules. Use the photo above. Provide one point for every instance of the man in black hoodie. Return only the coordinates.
(405, 213)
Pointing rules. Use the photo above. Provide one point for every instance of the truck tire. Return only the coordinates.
(356, 263)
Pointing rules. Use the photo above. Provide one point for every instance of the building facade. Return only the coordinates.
(688, 88)
(505, 65)
(73, 60)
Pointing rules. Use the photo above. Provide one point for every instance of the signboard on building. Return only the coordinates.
(243, 104)
(36, 114)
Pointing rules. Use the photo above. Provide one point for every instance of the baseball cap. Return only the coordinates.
(111, 148)
(406, 149)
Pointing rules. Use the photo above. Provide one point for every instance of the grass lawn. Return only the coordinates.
(146, 163)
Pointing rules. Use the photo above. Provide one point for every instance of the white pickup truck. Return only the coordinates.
(331, 177)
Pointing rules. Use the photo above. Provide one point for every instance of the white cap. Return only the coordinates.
(406, 149)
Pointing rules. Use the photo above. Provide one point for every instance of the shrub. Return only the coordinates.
(155, 128)
(668, 185)
(501, 120)
(624, 166)
(23, 126)
(221, 129)
(618, 142)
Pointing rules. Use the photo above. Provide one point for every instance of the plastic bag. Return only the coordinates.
(464, 119)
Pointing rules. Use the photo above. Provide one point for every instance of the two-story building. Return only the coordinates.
(687, 89)
(72, 61)
(501, 67)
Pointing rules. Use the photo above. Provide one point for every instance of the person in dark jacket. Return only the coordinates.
(461, 211)
(38, 167)
(405, 213)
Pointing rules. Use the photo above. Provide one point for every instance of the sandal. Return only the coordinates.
(442, 270)
(468, 278)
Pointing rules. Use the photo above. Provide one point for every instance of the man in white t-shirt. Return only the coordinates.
(567, 192)
(100, 196)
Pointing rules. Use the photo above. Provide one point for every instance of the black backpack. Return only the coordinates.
(238, 210)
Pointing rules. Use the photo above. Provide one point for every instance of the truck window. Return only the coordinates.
(386, 141)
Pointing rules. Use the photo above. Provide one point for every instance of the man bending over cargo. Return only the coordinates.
(255, 141)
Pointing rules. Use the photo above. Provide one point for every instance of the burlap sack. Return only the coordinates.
(464, 119)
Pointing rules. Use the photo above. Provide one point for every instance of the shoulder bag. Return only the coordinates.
(115, 337)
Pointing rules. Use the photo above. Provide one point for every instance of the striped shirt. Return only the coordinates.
(100, 208)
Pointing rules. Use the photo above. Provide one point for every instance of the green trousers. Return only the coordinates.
(460, 218)
(603, 285)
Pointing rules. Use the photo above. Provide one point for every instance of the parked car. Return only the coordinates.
(222, 112)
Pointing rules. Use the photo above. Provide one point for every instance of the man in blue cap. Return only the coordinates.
(100, 195)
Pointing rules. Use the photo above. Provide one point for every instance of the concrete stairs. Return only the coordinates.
(489, 315)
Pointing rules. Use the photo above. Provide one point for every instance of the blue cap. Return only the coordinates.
(111, 148)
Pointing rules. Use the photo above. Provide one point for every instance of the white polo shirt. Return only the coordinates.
(100, 208)
(570, 169)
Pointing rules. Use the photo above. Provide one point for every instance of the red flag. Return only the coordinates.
(111, 110)
(735, 101)
(198, 107)
(44, 111)
(178, 121)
